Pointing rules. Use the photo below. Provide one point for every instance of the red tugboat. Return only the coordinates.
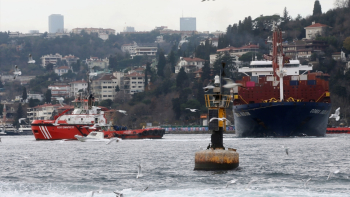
(84, 119)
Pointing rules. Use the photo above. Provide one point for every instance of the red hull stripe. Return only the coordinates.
(44, 134)
(47, 131)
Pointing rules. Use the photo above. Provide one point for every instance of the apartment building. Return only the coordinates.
(59, 91)
(104, 87)
(42, 112)
(97, 62)
(190, 64)
(94, 30)
(77, 86)
(134, 82)
(47, 59)
(61, 70)
(70, 59)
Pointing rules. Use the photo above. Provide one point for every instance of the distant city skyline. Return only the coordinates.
(143, 15)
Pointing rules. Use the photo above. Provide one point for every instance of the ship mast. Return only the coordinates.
(278, 58)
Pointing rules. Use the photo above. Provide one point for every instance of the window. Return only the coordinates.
(139, 78)
(104, 87)
(140, 86)
(109, 86)
(140, 82)
(134, 78)
(104, 95)
(133, 86)
(109, 95)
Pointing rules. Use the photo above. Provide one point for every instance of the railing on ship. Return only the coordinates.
(212, 100)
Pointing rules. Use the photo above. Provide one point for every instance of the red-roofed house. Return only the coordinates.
(316, 29)
(62, 70)
(190, 64)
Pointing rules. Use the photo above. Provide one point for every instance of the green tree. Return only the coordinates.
(19, 115)
(161, 64)
(317, 8)
(172, 60)
(24, 94)
(106, 103)
(346, 43)
(206, 71)
(181, 78)
(117, 89)
(48, 96)
(49, 67)
(31, 102)
(1, 85)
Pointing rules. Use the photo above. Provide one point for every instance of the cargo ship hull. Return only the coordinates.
(281, 119)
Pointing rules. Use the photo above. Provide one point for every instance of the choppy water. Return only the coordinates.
(32, 168)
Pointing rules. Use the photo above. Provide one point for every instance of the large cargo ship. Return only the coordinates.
(281, 98)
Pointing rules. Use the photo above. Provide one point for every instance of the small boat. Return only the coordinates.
(25, 130)
(96, 136)
(338, 130)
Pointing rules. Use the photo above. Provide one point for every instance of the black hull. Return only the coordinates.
(281, 119)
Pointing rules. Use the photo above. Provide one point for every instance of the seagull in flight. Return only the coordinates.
(230, 83)
(60, 100)
(248, 186)
(286, 149)
(193, 110)
(142, 191)
(94, 126)
(122, 111)
(113, 140)
(20, 120)
(231, 182)
(17, 72)
(306, 182)
(219, 119)
(208, 87)
(336, 114)
(139, 174)
(31, 61)
(118, 194)
(91, 193)
(331, 173)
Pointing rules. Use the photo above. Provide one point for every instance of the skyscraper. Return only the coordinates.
(188, 24)
(56, 23)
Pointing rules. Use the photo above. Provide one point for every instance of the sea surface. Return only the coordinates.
(32, 168)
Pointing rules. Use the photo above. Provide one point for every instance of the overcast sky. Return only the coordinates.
(144, 15)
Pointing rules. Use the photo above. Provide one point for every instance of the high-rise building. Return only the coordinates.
(188, 24)
(56, 23)
(129, 29)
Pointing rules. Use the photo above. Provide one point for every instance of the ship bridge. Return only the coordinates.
(264, 68)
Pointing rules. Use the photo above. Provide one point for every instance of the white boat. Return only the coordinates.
(25, 130)
(96, 136)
